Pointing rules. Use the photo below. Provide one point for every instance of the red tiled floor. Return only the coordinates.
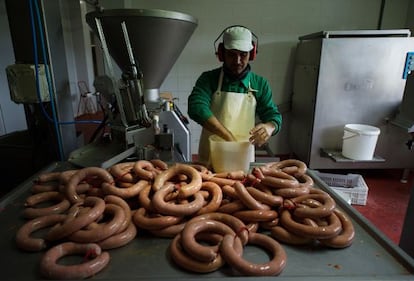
(387, 200)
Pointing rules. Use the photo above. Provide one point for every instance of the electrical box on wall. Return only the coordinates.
(23, 83)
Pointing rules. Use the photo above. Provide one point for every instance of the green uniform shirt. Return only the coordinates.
(200, 98)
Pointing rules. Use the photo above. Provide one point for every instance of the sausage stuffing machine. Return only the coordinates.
(145, 44)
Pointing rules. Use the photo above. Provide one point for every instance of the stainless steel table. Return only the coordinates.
(372, 256)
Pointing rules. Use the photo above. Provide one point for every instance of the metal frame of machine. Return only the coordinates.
(143, 125)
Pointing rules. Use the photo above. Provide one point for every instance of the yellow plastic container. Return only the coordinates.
(227, 156)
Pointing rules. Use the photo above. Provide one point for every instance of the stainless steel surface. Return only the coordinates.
(157, 39)
(371, 257)
(355, 78)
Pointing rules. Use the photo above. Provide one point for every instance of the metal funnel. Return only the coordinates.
(157, 39)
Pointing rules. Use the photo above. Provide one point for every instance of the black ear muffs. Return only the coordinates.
(220, 48)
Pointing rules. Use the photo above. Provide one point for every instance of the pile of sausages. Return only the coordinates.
(210, 217)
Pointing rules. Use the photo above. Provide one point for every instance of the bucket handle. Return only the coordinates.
(350, 137)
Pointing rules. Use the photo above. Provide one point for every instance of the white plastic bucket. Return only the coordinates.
(359, 141)
(227, 156)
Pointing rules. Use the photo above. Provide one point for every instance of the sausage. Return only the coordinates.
(231, 207)
(112, 199)
(283, 235)
(215, 195)
(123, 172)
(47, 177)
(150, 222)
(185, 191)
(119, 239)
(322, 232)
(77, 222)
(104, 229)
(24, 240)
(234, 175)
(301, 166)
(219, 181)
(236, 224)
(292, 192)
(33, 203)
(179, 210)
(181, 258)
(256, 215)
(50, 268)
(159, 164)
(229, 192)
(277, 183)
(82, 174)
(198, 251)
(313, 209)
(124, 192)
(144, 169)
(169, 231)
(265, 197)
(247, 199)
(271, 268)
(43, 187)
(269, 224)
(145, 198)
(345, 237)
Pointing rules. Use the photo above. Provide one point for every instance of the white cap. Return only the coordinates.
(411, 130)
(238, 38)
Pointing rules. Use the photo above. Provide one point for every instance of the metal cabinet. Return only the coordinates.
(345, 77)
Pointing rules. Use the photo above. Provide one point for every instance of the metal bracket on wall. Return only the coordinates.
(337, 156)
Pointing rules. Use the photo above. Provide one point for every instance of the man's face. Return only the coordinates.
(236, 61)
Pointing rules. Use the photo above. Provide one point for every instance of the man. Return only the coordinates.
(226, 100)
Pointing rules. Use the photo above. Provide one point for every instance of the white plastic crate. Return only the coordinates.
(352, 185)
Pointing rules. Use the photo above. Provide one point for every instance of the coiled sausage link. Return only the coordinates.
(186, 190)
(142, 219)
(345, 237)
(124, 192)
(182, 259)
(199, 251)
(236, 224)
(322, 232)
(274, 267)
(248, 199)
(119, 239)
(301, 167)
(145, 170)
(215, 195)
(69, 226)
(179, 210)
(314, 210)
(58, 204)
(50, 268)
(123, 172)
(248, 216)
(26, 242)
(102, 230)
(265, 197)
(112, 199)
(82, 174)
(283, 235)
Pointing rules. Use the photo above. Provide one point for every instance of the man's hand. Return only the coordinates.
(261, 133)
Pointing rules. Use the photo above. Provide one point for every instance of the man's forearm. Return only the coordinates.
(214, 126)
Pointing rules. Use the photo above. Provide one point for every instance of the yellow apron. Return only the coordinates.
(236, 111)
